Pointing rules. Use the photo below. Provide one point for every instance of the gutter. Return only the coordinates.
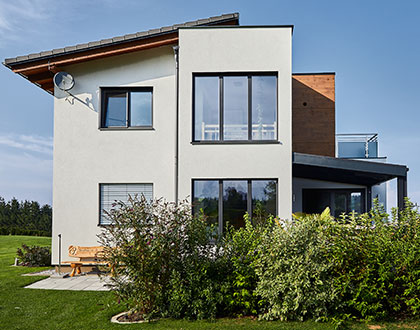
(176, 54)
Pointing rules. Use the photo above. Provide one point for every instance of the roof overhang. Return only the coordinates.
(39, 68)
(349, 171)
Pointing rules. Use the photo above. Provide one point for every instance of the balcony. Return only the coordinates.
(357, 145)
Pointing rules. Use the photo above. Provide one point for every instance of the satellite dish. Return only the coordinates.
(63, 80)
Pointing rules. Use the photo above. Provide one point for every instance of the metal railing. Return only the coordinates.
(357, 145)
(238, 132)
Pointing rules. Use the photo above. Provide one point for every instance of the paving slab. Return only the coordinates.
(76, 283)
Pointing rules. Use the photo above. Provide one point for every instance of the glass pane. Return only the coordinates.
(206, 107)
(206, 198)
(141, 109)
(235, 108)
(356, 204)
(264, 107)
(264, 199)
(340, 203)
(234, 202)
(116, 110)
(315, 201)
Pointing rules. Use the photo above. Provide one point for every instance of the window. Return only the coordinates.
(109, 193)
(338, 200)
(123, 107)
(227, 201)
(235, 107)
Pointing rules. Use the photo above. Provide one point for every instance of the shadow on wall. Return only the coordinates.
(313, 114)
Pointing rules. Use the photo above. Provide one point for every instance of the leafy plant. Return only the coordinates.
(34, 255)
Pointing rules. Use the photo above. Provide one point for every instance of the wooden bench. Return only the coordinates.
(88, 255)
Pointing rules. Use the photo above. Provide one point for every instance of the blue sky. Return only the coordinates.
(372, 46)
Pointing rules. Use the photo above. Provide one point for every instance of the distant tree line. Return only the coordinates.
(25, 218)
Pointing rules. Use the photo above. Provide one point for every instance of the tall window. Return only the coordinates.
(123, 107)
(235, 107)
(227, 201)
(109, 193)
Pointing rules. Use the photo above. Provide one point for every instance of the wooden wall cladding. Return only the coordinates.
(313, 114)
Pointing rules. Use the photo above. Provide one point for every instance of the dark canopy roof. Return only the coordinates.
(351, 171)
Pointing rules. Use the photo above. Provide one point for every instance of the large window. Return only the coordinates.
(123, 107)
(235, 107)
(227, 201)
(338, 200)
(109, 193)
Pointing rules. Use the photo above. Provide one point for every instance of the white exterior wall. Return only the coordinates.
(243, 49)
(84, 156)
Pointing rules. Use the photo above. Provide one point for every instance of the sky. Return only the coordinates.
(372, 46)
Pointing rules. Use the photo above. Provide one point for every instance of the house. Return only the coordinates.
(207, 110)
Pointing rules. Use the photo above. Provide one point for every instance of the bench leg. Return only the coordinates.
(72, 271)
(79, 270)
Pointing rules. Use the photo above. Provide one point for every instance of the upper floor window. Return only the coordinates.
(126, 107)
(235, 107)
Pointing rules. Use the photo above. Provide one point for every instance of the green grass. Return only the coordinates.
(50, 309)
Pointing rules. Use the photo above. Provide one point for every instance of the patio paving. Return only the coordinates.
(76, 283)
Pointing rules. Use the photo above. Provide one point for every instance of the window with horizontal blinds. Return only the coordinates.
(111, 192)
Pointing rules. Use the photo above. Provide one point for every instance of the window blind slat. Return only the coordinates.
(120, 192)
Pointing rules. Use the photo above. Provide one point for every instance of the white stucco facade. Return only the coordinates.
(230, 50)
(86, 156)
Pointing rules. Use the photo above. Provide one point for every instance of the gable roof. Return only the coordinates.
(39, 68)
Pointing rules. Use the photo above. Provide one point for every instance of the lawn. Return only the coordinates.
(50, 309)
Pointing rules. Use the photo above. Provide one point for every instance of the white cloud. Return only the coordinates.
(30, 143)
(23, 15)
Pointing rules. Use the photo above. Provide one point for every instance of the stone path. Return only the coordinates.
(76, 283)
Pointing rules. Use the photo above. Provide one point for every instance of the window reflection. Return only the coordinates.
(141, 109)
(264, 100)
(206, 108)
(234, 202)
(206, 199)
(116, 110)
(264, 198)
(235, 108)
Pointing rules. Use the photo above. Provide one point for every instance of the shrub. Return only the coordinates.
(34, 255)
(242, 254)
(294, 273)
(163, 259)
(376, 263)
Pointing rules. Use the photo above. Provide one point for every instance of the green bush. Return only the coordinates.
(164, 263)
(294, 273)
(169, 263)
(34, 255)
(242, 252)
(376, 263)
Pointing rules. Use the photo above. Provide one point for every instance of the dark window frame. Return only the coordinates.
(105, 91)
(249, 75)
(220, 197)
(331, 191)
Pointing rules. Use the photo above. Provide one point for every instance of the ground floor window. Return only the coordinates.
(111, 192)
(227, 201)
(338, 200)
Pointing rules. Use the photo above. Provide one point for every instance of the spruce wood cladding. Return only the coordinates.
(313, 113)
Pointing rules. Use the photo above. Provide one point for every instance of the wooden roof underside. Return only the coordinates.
(41, 72)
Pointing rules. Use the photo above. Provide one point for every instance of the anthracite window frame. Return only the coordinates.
(221, 104)
(220, 200)
(105, 91)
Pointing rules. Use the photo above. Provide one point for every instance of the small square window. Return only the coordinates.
(126, 107)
